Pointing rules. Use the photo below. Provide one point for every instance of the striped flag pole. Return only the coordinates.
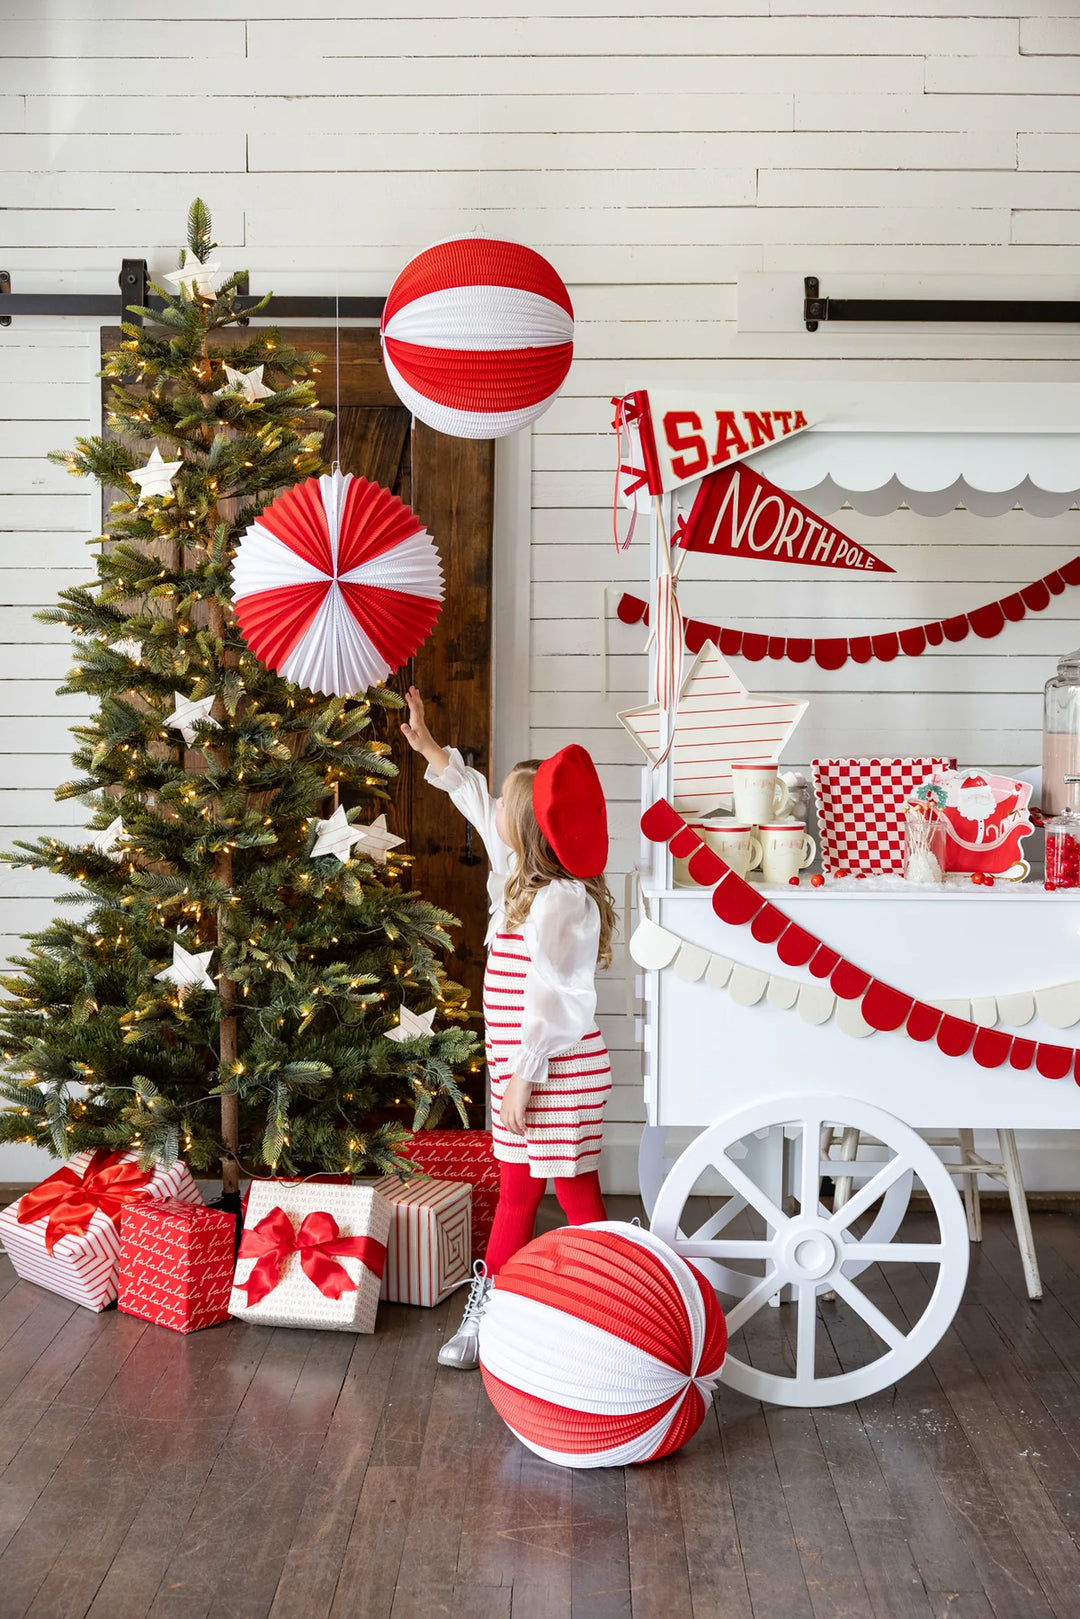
(667, 626)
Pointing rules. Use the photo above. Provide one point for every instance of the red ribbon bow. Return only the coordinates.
(273, 1239)
(70, 1200)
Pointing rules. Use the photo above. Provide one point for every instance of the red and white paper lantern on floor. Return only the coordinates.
(601, 1347)
(336, 584)
(478, 336)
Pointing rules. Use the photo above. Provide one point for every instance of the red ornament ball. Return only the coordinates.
(988, 882)
(841, 871)
(478, 336)
(793, 882)
(1050, 887)
(977, 877)
(817, 880)
(601, 1346)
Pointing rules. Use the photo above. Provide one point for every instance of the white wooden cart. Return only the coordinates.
(780, 1103)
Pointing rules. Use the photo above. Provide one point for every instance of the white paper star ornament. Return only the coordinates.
(188, 971)
(719, 723)
(336, 836)
(412, 1026)
(156, 477)
(187, 715)
(249, 384)
(106, 840)
(376, 841)
(193, 278)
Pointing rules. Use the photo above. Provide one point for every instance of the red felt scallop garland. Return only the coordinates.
(882, 1006)
(832, 652)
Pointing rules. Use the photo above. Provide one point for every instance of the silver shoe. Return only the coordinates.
(462, 1351)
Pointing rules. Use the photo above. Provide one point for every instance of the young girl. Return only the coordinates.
(551, 923)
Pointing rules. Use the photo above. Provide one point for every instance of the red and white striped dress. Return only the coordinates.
(564, 1117)
(570, 1084)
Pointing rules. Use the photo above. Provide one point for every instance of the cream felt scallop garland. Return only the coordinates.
(653, 948)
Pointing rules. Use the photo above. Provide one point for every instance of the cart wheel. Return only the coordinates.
(816, 1251)
(654, 1165)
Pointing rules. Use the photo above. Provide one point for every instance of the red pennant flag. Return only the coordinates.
(738, 513)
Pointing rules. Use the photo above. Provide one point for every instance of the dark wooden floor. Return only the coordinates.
(248, 1473)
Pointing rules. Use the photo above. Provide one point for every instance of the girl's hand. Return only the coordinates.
(414, 730)
(417, 735)
(514, 1103)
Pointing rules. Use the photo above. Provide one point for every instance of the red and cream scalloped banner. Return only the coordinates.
(832, 652)
(882, 1006)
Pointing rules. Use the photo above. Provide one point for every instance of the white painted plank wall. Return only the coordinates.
(659, 160)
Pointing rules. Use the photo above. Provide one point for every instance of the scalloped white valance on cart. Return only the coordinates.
(928, 446)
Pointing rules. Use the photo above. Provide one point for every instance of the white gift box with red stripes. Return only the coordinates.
(84, 1268)
(429, 1251)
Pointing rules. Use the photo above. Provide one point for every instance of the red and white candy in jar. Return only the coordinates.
(1063, 842)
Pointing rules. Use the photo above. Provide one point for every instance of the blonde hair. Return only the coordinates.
(537, 864)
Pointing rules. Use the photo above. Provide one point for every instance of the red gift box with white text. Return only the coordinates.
(65, 1233)
(463, 1155)
(176, 1264)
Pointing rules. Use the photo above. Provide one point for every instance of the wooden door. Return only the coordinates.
(449, 483)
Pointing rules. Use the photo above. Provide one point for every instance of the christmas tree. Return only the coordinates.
(223, 990)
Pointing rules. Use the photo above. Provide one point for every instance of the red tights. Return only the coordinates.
(519, 1198)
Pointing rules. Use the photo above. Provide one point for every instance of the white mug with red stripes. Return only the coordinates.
(759, 793)
(786, 849)
(734, 842)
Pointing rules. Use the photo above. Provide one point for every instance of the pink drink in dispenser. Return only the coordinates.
(1063, 842)
(1061, 733)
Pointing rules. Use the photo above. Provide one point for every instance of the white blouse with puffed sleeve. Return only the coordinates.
(562, 936)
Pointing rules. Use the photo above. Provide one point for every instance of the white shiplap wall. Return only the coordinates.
(684, 173)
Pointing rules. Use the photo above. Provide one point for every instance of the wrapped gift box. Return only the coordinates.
(430, 1248)
(176, 1264)
(312, 1255)
(463, 1155)
(64, 1235)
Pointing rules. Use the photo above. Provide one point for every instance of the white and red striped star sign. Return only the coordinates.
(738, 513)
(718, 724)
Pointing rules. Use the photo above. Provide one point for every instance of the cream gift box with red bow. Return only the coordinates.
(64, 1234)
(311, 1255)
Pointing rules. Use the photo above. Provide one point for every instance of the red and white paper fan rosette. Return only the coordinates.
(601, 1346)
(478, 336)
(337, 584)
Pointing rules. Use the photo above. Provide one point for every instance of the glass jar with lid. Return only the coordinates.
(1061, 734)
(1063, 841)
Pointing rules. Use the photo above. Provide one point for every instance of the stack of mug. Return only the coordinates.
(755, 837)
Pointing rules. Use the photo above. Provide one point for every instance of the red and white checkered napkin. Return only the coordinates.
(860, 807)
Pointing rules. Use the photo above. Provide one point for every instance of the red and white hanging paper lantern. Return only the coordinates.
(337, 584)
(478, 336)
(601, 1347)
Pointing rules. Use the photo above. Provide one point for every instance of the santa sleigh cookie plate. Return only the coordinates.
(986, 819)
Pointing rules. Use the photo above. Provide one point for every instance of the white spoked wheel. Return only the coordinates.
(655, 1165)
(817, 1251)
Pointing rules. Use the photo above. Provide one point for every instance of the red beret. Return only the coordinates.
(569, 804)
